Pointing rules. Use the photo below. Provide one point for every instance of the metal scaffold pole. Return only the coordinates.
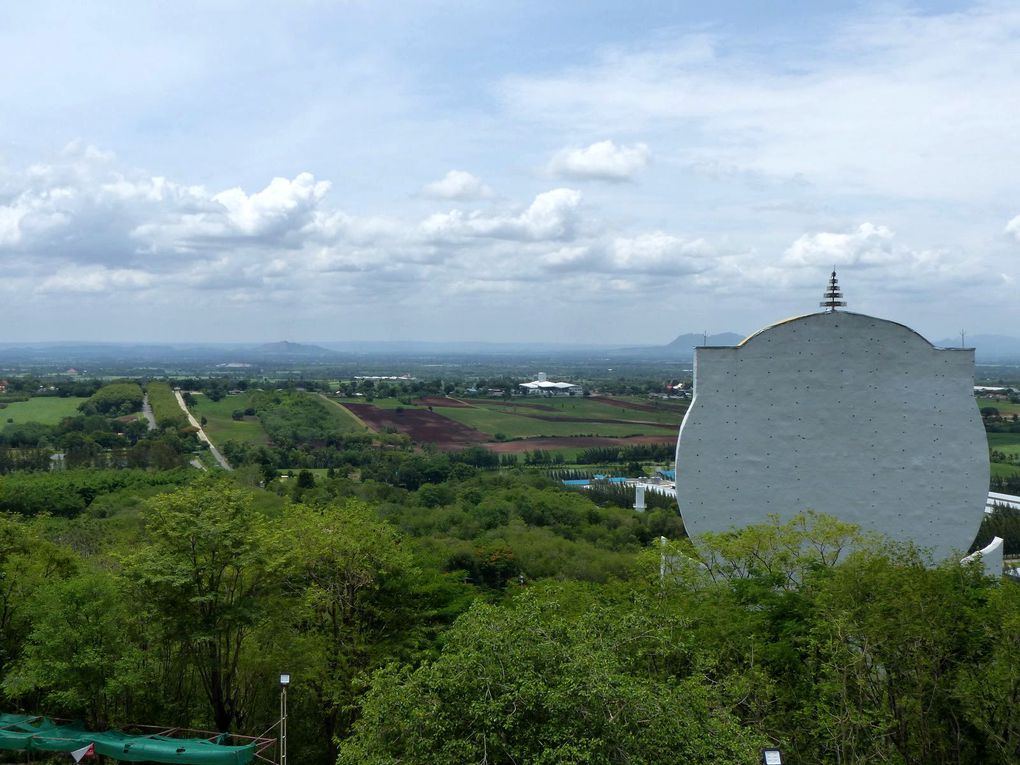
(284, 682)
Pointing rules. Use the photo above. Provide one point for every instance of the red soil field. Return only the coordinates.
(421, 425)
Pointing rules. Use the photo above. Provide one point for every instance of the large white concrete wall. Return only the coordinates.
(842, 413)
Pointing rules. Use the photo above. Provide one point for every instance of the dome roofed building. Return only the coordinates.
(542, 386)
(841, 413)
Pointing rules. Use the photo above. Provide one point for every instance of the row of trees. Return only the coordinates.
(114, 400)
(165, 408)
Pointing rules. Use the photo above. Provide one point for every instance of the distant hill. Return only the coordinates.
(287, 348)
(682, 347)
(987, 347)
(693, 339)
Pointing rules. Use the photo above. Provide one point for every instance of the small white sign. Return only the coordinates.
(772, 757)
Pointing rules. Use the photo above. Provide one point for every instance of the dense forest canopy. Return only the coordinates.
(464, 605)
(497, 618)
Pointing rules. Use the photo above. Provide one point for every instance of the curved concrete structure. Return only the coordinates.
(846, 414)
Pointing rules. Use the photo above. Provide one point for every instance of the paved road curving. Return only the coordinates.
(201, 433)
(147, 411)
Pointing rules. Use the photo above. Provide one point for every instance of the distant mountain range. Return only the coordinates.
(287, 348)
(990, 349)
(694, 339)
(681, 347)
(987, 348)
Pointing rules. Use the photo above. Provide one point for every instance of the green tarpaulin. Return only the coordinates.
(40, 734)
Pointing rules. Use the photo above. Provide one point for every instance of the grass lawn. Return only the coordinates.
(345, 420)
(380, 403)
(48, 410)
(1004, 442)
(580, 407)
(1005, 408)
(1008, 443)
(511, 425)
(221, 427)
(1002, 470)
(317, 472)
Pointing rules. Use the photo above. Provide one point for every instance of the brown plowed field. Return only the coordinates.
(583, 442)
(421, 425)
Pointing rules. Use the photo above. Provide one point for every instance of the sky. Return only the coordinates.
(583, 172)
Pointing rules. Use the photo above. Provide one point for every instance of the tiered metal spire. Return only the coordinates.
(832, 294)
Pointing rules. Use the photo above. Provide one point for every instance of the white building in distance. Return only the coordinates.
(846, 414)
(542, 386)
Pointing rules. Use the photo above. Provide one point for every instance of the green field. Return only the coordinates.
(48, 410)
(221, 427)
(346, 420)
(1009, 443)
(1002, 470)
(319, 473)
(587, 408)
(1004, 442)
(1005, 408)
(519, 426)
(381, 403)
(517, 418)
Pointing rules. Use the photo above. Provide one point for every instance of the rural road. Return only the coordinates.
(147, 411)
(201, 433)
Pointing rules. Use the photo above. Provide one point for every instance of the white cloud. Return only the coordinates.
(601, 161)
(276, 214)
(660, 253)
(85, 225)
(552, 215)
(457, 184)
(283, 204)
(865, 247)
(1013, 227)
(872, 254)
(896, 102)
(96, 279)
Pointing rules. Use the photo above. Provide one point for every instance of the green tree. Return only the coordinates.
(891, 641)
(27, 562)
(989, 690)
(562, 674)
(362, 602)
(210, 566)
(79, 657)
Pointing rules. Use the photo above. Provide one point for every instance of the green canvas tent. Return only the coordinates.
(41, 734)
